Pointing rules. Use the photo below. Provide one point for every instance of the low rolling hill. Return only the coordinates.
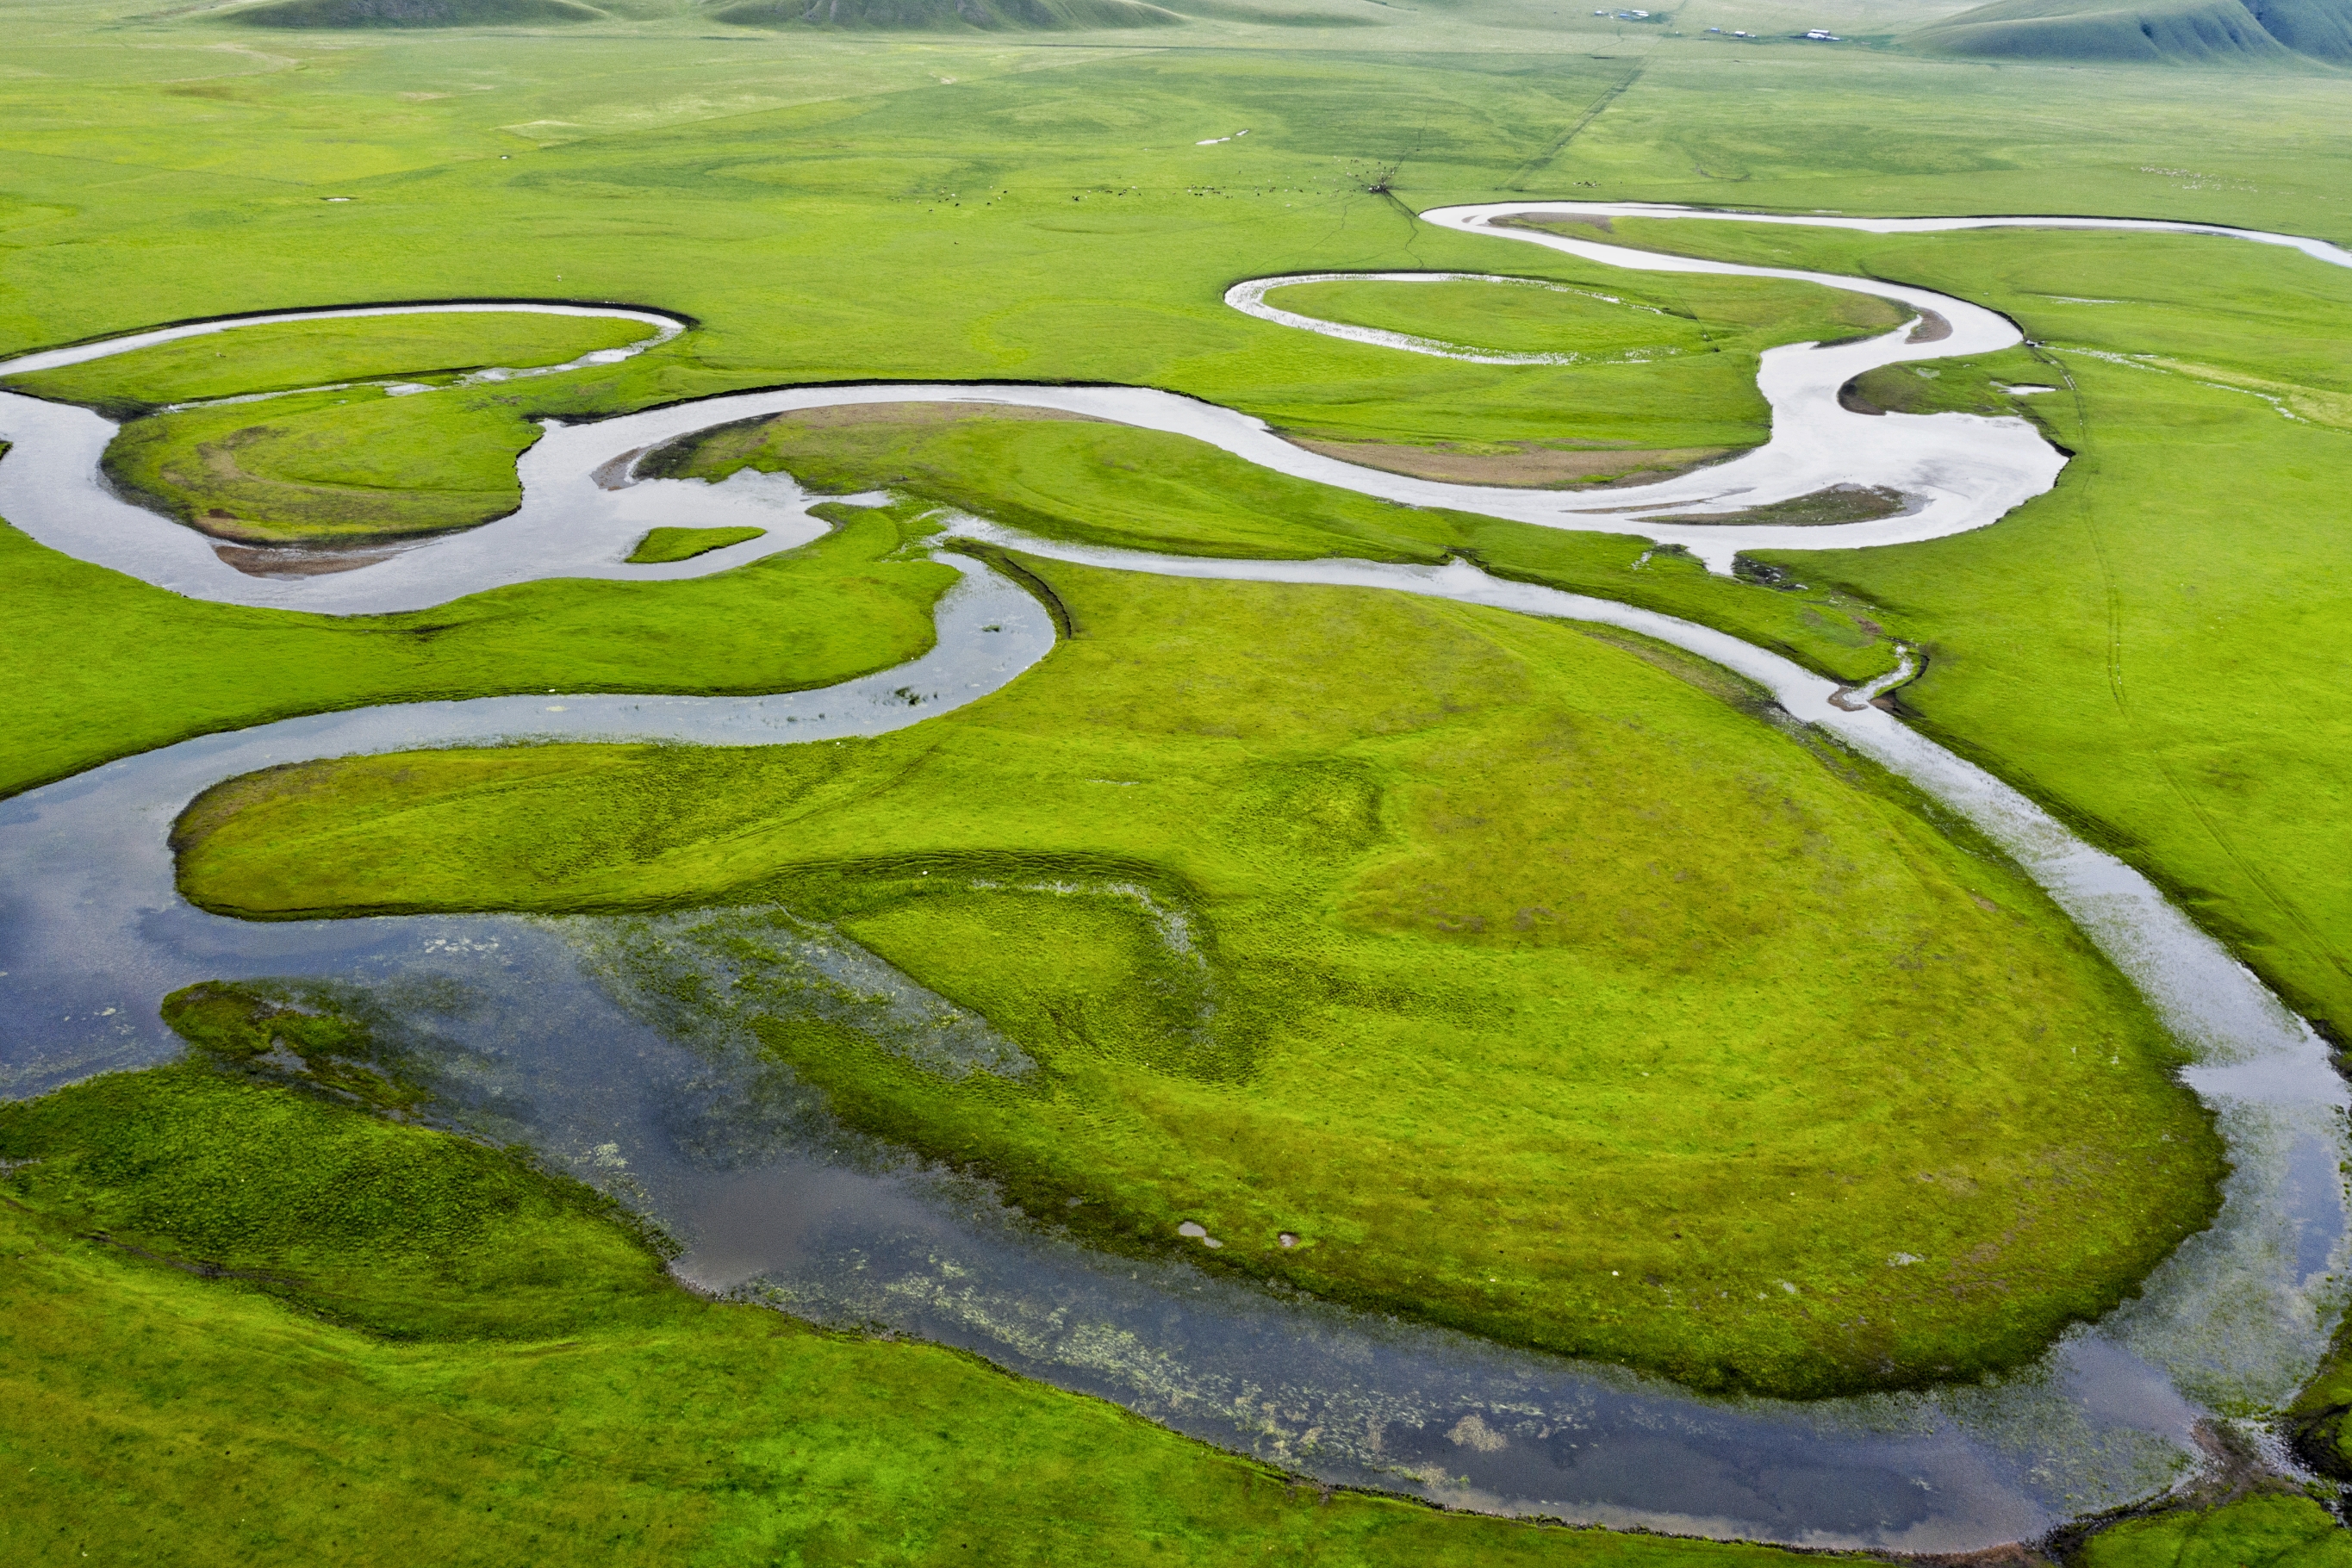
(333, 14)
(2179, 32)
(948, 15)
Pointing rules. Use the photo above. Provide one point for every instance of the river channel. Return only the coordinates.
(531, 1032)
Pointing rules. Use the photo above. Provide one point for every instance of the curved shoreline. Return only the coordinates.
(91, 928)
(1249, 299)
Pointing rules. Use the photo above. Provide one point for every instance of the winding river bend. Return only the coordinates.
(533, 1037)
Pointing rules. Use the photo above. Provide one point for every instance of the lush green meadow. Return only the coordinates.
(2155, 650)
(1140, 489)
(124, 666)
(240, 1323)
(338, 463)
(1426, 864)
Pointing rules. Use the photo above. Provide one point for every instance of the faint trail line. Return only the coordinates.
(2089, 471)
(1610, 96)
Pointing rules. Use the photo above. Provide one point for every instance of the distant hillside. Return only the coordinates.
(948, 15)
(413, 13)
(2181, 32)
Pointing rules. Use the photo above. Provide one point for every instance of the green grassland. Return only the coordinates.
(289, 356)
(1019, 207)
(2270, 1531)
(239, 1323)
(355, 467)
(346, 465)
(2155, 648)
(1691, 343)
(665, 544)
(1106, 484)
(147, 667)
(1428, 863)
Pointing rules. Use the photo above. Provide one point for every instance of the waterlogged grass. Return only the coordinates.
(124, 666)
(1107, 484)
(1531, 982)
(665, 544)
(268, 1329)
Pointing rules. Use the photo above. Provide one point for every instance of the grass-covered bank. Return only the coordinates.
(838, 210)
(112, 666)
(1140, 489)
(240, 1324)
(295, 437)
(1523, 978)
(2157, 647)
(2273, 1531)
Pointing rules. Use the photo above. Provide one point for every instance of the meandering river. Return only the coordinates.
(531, 1036)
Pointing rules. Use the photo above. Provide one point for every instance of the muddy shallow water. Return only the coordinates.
(530, 1036)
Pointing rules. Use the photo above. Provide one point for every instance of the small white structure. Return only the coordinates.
(1824, 36)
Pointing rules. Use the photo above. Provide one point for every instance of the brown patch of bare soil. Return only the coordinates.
(1526, 465)
(614, 475)
(293, 561)
(1555, 221)
(1931, 328)
(1822, 509)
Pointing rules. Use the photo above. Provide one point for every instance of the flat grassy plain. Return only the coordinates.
(2154, 648)
(838, 209)
(1425, 865)
(125, 667)
(410, 1347)
(665, 544)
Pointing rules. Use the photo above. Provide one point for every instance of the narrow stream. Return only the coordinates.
(530, 1033)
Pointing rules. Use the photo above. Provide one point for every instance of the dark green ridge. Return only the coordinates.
(2172, 32)
(332, 13)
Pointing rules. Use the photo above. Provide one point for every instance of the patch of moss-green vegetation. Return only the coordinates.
(123, 666)
(1979, 386)
(1531, 989)
(1629, 315)
(665, 544)
(353, 467)
(1107, 484)
(2153, 647)
(289, 355)
(267, 1029)
(2317, 1422)
(2273, 1531)
(349, 464)
(345, 465)
(287, 1328)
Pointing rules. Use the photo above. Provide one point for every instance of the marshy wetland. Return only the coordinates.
(1440, 902)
